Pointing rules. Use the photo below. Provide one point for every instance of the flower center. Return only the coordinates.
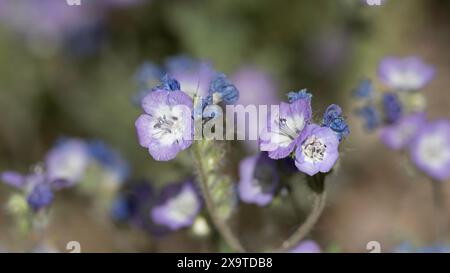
(434, 150)
(314, 149)
(168, 126)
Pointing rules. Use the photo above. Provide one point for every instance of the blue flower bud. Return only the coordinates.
(334, 120)
(168, 83)
(300, 95)
(223, 87)
(392, 107)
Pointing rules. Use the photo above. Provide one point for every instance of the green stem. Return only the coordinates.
(219, 223)
(317, 184)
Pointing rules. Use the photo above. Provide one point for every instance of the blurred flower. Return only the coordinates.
(392, 107)
(133, 206)
(67, 161)
(36, 186)
(430, 150)
(284, 129)
(258, 179)
(400, 134)
(318, 151)
(177, 207)
(121, 209)
(166, 128)
(110, 160)
(255, 87)
(147, 76)
(12, 178)
(41, 196)
(194, 76)
(370, 115)
(405, 74)
(334, 120)
(308, 246)
(223, 89)
(364, 89)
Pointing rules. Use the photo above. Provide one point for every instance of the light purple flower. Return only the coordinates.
(405, 74)
(177, 207)
(166, 128)
(14, 179)
(35, 186)
(318, 151)
(258, 179)
(285, 127)
(400, 134)
(430, 150)
(67, 161)
(255, 87)
(308, 246)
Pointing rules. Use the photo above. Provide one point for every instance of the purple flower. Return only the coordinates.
(284, 128)
(400, 134)
(166, 128)
(194, 77)
(258, 179)
(36, 186)
(148, 74)
(109, 159)
(177, 207)
(14, 179)
(334, 120)
(67, 161)
(405, 74)
(318, 151)
(392, 107)
(430, 149)
(255, 87)
(40, 197)
(133, 206)
(308, 246)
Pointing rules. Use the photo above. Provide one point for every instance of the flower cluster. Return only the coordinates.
(399, 114)
(188, 87)
(291, 133)
(65, 165)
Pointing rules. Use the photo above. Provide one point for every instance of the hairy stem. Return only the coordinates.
(219, 223)
(317, 184)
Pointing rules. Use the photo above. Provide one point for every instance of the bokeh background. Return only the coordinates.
(67, 71)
